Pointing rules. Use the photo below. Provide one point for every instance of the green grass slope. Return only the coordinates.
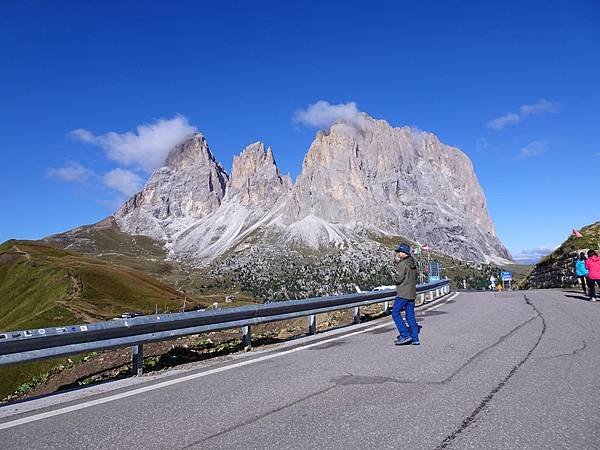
(556, 269)
(589, 240)
(106, 241)
(41, 286)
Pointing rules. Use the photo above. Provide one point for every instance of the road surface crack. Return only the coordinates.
(450, 377)
(259, 417)
(571, 353)
(470, 420)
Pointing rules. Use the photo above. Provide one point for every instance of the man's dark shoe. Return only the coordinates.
(403, 341)
(416, 343)
(400, 337)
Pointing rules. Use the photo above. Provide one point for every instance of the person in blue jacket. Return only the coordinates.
(581, 272)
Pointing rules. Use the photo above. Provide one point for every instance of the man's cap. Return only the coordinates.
(404, 248)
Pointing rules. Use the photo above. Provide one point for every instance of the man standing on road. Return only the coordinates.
(405, 278)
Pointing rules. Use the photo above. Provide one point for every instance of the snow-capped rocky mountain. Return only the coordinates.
(358, 180)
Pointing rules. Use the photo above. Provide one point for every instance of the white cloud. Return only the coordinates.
(123, 181)
(72, 172)
(533, 149)
(322, 114)
(533, 255)
(537, 109)
(507, 119)
(83, 135)
(146, 148)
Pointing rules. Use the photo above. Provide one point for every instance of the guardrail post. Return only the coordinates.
(247, 337)
(312, 324)
(356, 316)
(137, 357)
(386, 307)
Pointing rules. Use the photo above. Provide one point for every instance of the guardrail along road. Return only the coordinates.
(504, 370)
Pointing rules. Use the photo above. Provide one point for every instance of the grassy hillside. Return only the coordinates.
(590, 240)
(556, 269)
(44, 286)
(104, 240)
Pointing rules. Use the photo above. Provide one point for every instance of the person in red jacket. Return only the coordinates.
(592, 264)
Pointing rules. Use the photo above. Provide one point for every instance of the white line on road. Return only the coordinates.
(100, 401)
(452, 297)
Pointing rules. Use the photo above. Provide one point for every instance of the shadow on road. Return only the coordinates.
(578, 297)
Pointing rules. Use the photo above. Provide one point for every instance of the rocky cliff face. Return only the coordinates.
(190, 186)
(255, 179)
(554, 272)
(358, 180)
(397, 181)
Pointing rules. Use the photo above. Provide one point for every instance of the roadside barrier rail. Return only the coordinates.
(43, 343)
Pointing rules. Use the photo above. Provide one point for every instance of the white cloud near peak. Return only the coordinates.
(537, 109)
(72, 172)
(146, 148)
(323, 114)
(123, 181)
(534, 148)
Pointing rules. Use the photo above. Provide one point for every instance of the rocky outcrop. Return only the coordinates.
(555, 271)
(358, 180)
(254, 194)
(189, 187)
(255, 179)
(398, 181)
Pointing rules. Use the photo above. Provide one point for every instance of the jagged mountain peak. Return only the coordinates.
(193, 151)
(399, 180)
(189, 186)
(360, 177)
(255, 178)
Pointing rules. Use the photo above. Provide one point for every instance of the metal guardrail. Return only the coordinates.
(43, 343)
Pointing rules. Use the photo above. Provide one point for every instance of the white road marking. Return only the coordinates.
(452, 297)
(100, 401)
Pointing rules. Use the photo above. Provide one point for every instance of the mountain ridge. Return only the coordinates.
(356, 179)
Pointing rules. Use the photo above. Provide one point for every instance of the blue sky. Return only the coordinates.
(513, 84)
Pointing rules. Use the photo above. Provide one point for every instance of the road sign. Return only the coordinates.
(434, 271)
(506, 276)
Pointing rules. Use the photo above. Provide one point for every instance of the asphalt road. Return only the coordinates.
(505, 370)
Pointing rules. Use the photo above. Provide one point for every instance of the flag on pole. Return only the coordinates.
(576, 233)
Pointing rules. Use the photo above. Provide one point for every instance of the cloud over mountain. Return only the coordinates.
(123, 181)
(323, 114)
(144, 149)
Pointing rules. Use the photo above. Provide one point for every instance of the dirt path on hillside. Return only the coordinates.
(22, 252)
(73, 294)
